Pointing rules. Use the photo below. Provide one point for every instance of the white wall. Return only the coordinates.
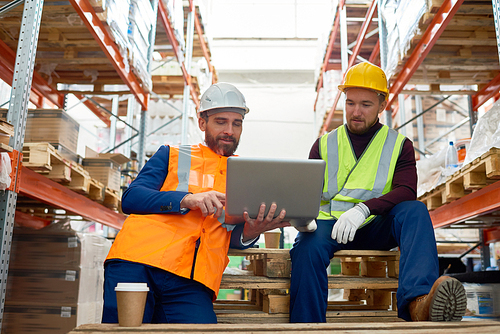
(280, 121)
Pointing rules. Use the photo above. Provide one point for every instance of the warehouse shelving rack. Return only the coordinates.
(425, 63)
(18, 67)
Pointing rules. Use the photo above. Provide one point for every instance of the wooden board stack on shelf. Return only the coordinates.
(44, 159)
(476, 175)
(466, 52)
(369, 279)
(6, 132)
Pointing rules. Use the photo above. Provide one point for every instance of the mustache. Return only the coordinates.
(229, 138)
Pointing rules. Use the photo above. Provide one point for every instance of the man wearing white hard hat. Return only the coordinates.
(176, 238)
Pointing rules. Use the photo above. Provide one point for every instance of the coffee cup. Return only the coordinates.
(131, 300)
(272, 238)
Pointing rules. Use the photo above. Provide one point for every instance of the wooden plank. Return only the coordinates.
(6, 127)
(334, 282)
(486, 326)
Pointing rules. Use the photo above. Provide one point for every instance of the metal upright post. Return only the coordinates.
(131, 106)
(496, 19)
(382, 37)
(472, 115)
(18, 109)
(141, 154)
(420, 123)
(115, 104)
(344, 57)
(485, 252)
(187, 64)
(402, 112)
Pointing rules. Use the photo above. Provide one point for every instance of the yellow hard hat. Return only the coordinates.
(366, 75)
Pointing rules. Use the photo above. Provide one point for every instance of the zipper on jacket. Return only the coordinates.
(194, 258)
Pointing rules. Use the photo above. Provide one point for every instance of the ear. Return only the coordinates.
(382, 107)
(202, 123)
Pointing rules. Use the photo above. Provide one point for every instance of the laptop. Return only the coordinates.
(294, 185)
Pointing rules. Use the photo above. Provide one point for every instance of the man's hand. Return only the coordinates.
(345, 228)
(254, 227)
(310, 227)
(210, 202)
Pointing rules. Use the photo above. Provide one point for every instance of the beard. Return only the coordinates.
(223, 149)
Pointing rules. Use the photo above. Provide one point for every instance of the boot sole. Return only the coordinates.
(449, 301)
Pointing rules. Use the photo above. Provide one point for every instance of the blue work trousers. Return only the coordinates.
(407, 225)
(171, 298)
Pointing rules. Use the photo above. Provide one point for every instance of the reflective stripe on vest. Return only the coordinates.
(183, 175)
(339, 195)
(183, 167)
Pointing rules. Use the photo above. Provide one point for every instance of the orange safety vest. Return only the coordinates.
(189, 245)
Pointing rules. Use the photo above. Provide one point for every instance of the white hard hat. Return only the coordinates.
(222, 97)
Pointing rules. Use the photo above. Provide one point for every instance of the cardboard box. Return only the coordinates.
(55, 280)
(45, 248)
(47, 285)
(53, 126)
(105, 167)
(39, 318)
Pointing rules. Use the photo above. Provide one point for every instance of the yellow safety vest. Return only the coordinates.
(349, 181)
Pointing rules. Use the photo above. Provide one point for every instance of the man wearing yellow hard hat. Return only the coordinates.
(369, 202)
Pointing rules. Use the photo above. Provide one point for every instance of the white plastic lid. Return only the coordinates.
(131, 287)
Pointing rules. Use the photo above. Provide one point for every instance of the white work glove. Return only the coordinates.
(345, 228)
(310, 227)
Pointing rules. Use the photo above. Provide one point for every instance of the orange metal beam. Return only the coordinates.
(27, 220)
(39, 187)
(100, 114)
(491, 235)
(359, 42)
(101, 35)
(362, 33)
(476, 204)
(375, 52)
(329, 49)
(429, 38)
(40, 88)
(163, 17)
(486, 93)
(204, 47)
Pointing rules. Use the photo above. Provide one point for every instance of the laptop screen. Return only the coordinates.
(294, 185)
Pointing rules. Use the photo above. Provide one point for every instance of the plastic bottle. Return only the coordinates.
(451, 159)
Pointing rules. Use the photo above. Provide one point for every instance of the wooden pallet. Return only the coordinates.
(476, 175)
(242, 312)
(369, 279)
(45, 159)
(6, 132)
(96, 190)
(111, 199)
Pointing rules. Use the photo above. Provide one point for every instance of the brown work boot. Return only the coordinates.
(445, 302)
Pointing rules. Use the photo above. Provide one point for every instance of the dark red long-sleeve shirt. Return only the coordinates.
(404, 182)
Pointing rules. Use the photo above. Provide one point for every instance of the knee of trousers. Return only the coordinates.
(309, 252)
(411, 211)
